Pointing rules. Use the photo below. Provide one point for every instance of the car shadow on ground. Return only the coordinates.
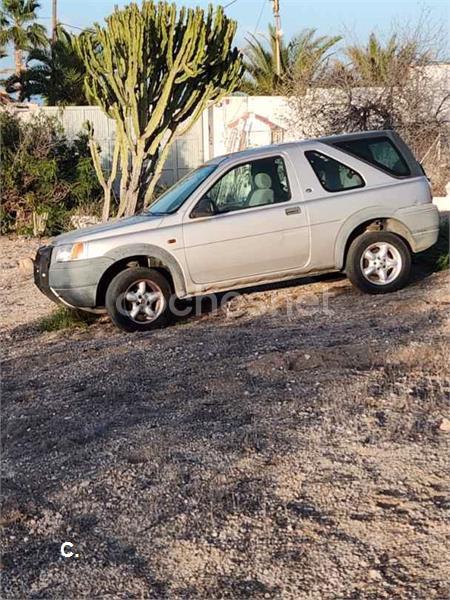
(204, 305)
(334, 283)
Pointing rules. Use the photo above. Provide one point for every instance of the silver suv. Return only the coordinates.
(357, 203)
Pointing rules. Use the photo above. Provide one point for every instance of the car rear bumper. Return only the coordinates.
(423, 224)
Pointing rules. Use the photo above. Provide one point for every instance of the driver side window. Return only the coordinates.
(256, 183)
(232, 190)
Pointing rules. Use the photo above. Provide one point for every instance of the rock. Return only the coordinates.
(80, 221)
(26, 266)
(374, 574)
(444, 425)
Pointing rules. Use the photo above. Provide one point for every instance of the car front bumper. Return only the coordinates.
(41, 271)
(72, 283)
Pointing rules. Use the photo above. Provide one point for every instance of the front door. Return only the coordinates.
(257, 225)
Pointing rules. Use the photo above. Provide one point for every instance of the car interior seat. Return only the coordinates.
(263, 192)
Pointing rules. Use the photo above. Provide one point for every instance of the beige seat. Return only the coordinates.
(263, 194)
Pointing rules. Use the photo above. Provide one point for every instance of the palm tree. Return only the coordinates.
(260, 62)
(308, 53)
(303, 57)
(18, 27)
(55, 73)
(377, 65)
(3, 23)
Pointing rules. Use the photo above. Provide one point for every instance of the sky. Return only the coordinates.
(354, 19)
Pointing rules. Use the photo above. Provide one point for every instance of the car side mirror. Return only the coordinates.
(205, 208)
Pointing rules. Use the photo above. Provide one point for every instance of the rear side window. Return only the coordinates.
(378, 151)
(332, 174)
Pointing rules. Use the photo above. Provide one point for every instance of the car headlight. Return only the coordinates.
(68, 252)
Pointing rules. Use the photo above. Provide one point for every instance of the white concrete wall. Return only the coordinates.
(443, 203)
(186, 152)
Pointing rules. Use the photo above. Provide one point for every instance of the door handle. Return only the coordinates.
(293, 210)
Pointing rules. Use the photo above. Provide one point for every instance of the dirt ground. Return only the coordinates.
(256, 452)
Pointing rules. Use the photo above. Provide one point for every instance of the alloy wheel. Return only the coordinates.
(381, 263)
(143, 302)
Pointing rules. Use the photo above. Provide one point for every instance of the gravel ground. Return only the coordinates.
(254, 452)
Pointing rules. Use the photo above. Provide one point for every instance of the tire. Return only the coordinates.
(373, 253)
(138, 299)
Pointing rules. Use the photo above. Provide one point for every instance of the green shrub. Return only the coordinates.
(44, 177)
(66, 318)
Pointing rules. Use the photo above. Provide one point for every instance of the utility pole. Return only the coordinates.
(54, 19)
(278, 34)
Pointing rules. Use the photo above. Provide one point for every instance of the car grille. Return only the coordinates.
(41, 269)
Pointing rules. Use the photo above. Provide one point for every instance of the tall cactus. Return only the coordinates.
(154, 69)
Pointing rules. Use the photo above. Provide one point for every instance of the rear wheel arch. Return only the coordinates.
(374, 224)
(396, 226)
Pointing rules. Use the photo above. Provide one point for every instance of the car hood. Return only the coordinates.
(128, 224)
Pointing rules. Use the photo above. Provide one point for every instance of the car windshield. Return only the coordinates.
(171, 200)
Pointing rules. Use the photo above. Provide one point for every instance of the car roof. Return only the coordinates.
(250, 152)
(357, 135)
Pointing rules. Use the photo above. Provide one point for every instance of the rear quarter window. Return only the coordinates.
(379, 152)
(332, 174)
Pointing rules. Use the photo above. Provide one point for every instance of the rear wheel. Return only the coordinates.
(137, 299)
(378, 262)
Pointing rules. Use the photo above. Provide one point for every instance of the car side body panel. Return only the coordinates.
(256, 242)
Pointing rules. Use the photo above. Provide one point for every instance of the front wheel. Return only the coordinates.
(138, 299)
(378, 262)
